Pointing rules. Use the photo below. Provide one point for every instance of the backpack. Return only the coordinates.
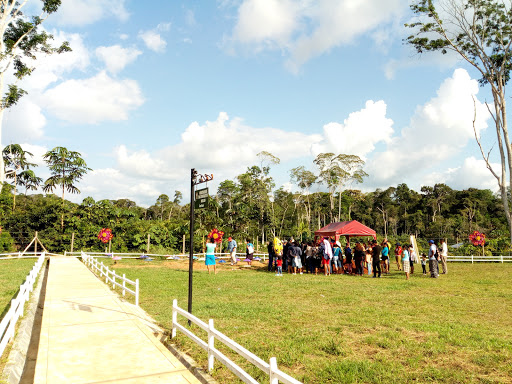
(436, 254)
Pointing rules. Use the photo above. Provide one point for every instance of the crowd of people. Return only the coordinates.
(329, 257)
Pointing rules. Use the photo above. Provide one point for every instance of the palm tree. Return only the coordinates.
(15, 160)
(29, 180)
(66, 167)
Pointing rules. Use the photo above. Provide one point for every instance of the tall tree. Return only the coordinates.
(16, 163)
(480, 32)
(66, 167)
(21, 41)
(304, 180)
(338, 170)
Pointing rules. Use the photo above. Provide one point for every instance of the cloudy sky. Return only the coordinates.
(154, 89)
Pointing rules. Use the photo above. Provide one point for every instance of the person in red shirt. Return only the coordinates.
(398, 256)
(279, 266)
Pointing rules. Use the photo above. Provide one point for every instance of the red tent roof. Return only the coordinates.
(346, 228)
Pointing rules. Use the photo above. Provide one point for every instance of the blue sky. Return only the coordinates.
(151, 91)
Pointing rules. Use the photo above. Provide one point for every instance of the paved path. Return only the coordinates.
(88, 335)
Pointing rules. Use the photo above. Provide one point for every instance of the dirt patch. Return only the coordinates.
(183, 265)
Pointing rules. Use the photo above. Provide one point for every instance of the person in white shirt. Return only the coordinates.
(443, 256)
(432, 260)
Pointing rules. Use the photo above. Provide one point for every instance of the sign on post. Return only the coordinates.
(201, 198)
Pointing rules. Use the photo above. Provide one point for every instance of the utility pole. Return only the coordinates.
(194, 180)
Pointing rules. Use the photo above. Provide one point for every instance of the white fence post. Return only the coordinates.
(12, 322)
(471, 259)
(124, 284)
(211, 345)
(501, 259)
(273, 368)
(137, 292)
(174, 318)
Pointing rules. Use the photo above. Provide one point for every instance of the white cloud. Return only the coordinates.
(439, 130)
(23, 122)
(85, 12)
(359, 133)
(306, 29)
(164, 27)
(93, 100)
(120, 186)
(224, 145)
(50, 69)
(153, 41)
(116, 57)
(464, 177)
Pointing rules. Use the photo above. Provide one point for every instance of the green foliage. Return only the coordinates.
(66, 167)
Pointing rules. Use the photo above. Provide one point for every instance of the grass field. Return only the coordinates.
(12, 274)
(348, 329)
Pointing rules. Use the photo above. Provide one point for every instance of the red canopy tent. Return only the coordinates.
(345, 228)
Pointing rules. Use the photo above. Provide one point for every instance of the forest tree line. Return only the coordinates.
(249, 206)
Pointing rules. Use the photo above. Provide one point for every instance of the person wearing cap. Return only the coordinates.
(432, 259)
(398, 254)
(232, 250)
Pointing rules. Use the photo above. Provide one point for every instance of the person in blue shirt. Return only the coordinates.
(210, 255)
(385, 258)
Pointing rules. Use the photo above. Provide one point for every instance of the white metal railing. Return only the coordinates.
(112, 277)
(8, 323)
(481, 258)
(270, 368)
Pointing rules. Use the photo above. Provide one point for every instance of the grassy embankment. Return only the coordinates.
(12, 274)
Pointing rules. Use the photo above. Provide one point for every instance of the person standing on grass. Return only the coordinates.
(412, 258)
(279, 263)
(309, 257)
(286, 248)
(210, 255)
(348, 259)
(336, 255)
(249, 251)
(232, 250)
(405, 261)
(398, 255)
(358, 258)
(443, 256)
(432, 259)
(296, 261)
(385, 257)
(327, 256)
(271, 255)
(368, 259)
(424, 263)
(376, 251)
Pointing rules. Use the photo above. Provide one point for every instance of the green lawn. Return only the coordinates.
(348, 329)
(13, 273)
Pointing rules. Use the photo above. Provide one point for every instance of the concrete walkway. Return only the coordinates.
(88, 335)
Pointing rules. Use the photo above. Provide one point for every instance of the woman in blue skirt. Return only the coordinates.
(210, 255)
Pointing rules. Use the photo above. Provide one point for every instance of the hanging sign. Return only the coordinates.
(201, 198)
